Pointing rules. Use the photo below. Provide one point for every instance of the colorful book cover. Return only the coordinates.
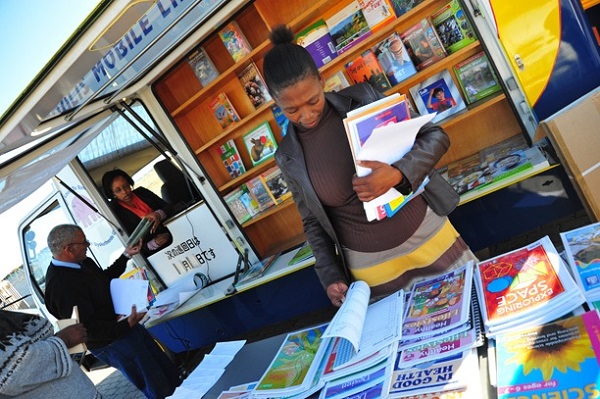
(394, 59)
(257, 270)
(203, 67)
(254, 85)
(348, 27)
(366, 68)
(468, 174)
(303, 253)
(510, 165)
(317, 40)
(234, 40)
(401, 7)
(281, 120)
(453, 27)
(378, 13)
(236, 205)
(336, 82)
(294, 364)
(518, 282)
(476, 78)
(559, 359)
(395, 113)
(278, 188)
(249, 202)
(438, 94)
(260, 193)
(582, 248)
(439, 303)
(223, 110)
(230, 156)
(260, 143)
(423, 44)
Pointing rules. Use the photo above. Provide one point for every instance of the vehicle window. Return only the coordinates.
(36, 250)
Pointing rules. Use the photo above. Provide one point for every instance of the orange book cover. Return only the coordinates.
(366, 68)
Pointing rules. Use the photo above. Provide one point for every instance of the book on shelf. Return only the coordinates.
(439, 303)
(362, 329)
(260, 143)
(394, 59)
(401, 7)
(476, 78)
(468, 174)
(348, 27)
(259, 193)
(276, 184)
(437, 95)
(525, 287)
(423, 44)
(317, 40)
(230, 156)
(203, 67)
(582, 250)
(234, 40)
(223, 110)
(254, 85)
(453, 27)
(295, 368)
(249, 201)
(237, 205)
(365, 68)
(257, 270)
(378, 13)
(281, 120)
(447, 374)
(549, 359)
(336, 82)
(302, 254)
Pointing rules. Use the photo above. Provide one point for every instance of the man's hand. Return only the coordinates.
(134, 249)
(378, 182)
(337, 293)
(134, 317)
(73, 335)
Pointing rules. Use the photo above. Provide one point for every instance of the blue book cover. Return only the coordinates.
(550, 359)
(394, 59)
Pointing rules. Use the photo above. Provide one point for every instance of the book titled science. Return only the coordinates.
(423, 44)
(438, 94)
(394, 59)
(453, 27)
(317, 40)
(234, 40)
(476, 78)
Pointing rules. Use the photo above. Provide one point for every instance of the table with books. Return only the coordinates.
(519, 325)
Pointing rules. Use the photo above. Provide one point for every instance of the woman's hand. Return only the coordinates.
(155, 218)
(378, 182)
(337, 293)
(162, 239)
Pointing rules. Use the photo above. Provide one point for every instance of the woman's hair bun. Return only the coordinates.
(281, 34)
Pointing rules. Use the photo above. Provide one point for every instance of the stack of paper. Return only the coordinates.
(525, 287)
(383, 131)
(582, 248)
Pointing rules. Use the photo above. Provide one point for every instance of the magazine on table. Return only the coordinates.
(582, 249)
(353, 384)
(362, 328)
(524, 287)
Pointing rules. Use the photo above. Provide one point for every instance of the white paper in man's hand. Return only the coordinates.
(127, 292)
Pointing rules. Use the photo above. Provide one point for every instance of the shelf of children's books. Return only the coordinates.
(216, 85)
(236, 127)
(400, 24)
(268, 212)
(255, 171)
(473, 109)
(445, 63)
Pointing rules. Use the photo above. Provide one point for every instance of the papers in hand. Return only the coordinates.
(127, 292)
(140, 231)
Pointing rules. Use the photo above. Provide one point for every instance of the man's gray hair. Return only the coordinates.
(62, 235)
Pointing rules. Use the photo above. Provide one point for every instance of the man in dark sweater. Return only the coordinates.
(74, 279)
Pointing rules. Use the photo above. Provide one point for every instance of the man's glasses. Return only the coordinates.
(86, 243)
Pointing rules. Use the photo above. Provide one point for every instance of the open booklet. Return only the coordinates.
(383, 131)
(365, 329)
